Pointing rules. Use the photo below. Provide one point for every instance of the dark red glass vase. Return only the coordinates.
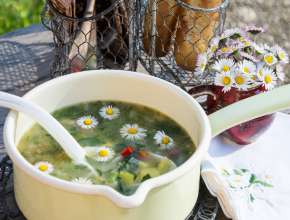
(242, 134)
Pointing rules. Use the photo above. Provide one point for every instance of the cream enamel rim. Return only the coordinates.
(144, 188)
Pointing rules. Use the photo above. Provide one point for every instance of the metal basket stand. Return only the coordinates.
(98, 40)
(165, 65)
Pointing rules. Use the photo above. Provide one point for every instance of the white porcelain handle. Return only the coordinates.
(247, 109)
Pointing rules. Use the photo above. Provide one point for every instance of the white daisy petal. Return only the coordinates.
(281, 54)
(87, 122)
(109, 112)
(133, 132)
(224, 65)
(201, 64)
(82, 181)
(100, 154)
(259, 48)
(44, 167)
(280, 72)
(225, 80)
(162, 139)
(231, 32)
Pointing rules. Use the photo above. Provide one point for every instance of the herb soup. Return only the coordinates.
(126, 144)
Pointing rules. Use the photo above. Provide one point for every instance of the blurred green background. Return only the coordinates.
(19, 13)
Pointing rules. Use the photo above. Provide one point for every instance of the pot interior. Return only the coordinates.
(133, 88)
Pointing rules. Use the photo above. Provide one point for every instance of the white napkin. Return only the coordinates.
(252, 182)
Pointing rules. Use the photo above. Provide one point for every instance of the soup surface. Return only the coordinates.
(126, 144)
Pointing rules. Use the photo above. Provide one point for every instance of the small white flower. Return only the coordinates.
(282, 54)
(201, 63)
(270, 59)
(226, 50)
(82, 181)
(87, 122)
(259, 48)
(280, 72)
(259, 70)
(109, 112)
(100, 154)
(44, 166)
(245, 41)
(225, 80)
(214, 44)
(132, 132)
(231, 32)
(241, 81)
(224, 65)
(269, 79)
(267, 47)
(247, 67)
(163, 140)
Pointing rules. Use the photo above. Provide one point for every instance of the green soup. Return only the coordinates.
(126, 144)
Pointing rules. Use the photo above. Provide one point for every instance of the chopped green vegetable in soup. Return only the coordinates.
(126, 144)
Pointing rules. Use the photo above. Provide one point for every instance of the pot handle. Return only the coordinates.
(207, 91)
(250, 108)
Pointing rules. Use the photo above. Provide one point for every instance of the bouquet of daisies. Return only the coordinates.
(235, 60)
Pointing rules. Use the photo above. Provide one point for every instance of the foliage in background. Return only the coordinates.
(19, 13)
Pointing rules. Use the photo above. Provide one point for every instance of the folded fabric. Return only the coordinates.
(252, 182)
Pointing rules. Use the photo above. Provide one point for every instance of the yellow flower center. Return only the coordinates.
(43, 167)
(88, 121)
(213, 48)
(225, 49)
(260, 73)
(132, 130)
(226, 80)
(246, 69)
(226, 68)
(202, 66)
(239, 80)
(103, 153)
(165, 140)
(269, 59)
(247, 44)
(282, 55)
(268, 79)
(109, 111)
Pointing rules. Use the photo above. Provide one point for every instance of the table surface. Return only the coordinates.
(25, 57)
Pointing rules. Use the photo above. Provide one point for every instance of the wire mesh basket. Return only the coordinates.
(91, 35)
(173, 32)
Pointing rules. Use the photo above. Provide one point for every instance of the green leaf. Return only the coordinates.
(252, 198)
(238, 172)
(263, 183)
(253, 178)
(225, 172)
(244, 170)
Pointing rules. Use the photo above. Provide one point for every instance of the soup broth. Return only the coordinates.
(126, 144)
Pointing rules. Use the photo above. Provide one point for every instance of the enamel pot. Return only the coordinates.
(170, 196)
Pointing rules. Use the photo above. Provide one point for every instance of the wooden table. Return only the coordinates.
(25, 57)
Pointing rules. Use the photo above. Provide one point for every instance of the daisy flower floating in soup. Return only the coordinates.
(109, 112)
(127, 145)
(132, 132)
(87, 122)
(44, 167)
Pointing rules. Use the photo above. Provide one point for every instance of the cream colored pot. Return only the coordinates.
(167, 197)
